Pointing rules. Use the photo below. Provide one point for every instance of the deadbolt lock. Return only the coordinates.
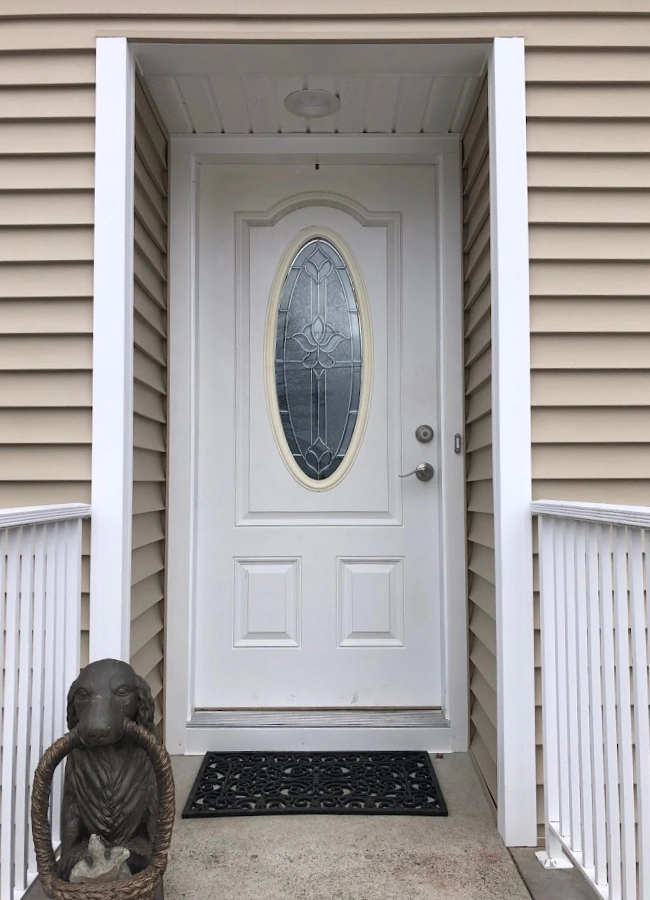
(424, 433)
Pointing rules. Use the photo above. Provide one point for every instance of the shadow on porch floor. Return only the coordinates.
(347, 857)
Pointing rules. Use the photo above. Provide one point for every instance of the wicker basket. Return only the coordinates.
(141, 886)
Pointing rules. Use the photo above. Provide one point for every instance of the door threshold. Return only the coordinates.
(419, 717)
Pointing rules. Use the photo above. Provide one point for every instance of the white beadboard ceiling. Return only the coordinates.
(384, 89)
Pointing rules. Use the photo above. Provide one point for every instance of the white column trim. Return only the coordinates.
(511, 441)
(112, 431)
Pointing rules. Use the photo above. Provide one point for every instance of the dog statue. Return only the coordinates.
(109, 787)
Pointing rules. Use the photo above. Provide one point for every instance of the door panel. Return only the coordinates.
(316, 597)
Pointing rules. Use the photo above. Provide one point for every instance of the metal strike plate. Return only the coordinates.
(424, 434)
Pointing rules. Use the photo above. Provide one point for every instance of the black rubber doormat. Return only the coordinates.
(267, 784)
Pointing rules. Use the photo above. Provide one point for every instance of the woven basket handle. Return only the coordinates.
(41, 829)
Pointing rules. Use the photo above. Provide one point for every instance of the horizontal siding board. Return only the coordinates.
(481, 529)
(589, 136)
(25, 174)
(146, 561)
(484, 694)
(26, 280)
(559, 388)
(39, 244)
(483, 594)
(34, 69)
(35, 462)
(148, 310)
(45, 426)
(559, 67)
(590, 315)
(481, 562)
(479, 434)
(149, 374)
(589, 205)
(148, 435)
(485, 728)
(46, 316)
(583, 278)
(479, 402)
(485, 763)
(148, 528)
(147, 403)
(591, 461)
(632, 492)
(145, 185)
(46, 389)
(556, 170)
(146, 594)
(45, 491)
(38, 207)
(148, 341)
(480, 499)
(483, 627)
(148, 496)
(18, 352)
(594, 351)
(50, 102)
(485, 662)
(149, 249)
(148, 465)
(148, 656)
(145, 626)
(46, 138)
(590, 242)
(595, 425)
(588, 101)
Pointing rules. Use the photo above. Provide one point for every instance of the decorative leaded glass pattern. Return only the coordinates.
(318, 358)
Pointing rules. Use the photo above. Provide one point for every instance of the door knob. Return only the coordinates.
(423, 472)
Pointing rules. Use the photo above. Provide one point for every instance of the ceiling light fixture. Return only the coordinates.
(312, 104)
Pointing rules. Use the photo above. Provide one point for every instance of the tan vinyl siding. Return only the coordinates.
(150, 392)
(46, 219)
(478, 446)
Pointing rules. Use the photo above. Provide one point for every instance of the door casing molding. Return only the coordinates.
(186, 154)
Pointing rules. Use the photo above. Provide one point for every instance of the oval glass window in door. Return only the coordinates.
(319, 366)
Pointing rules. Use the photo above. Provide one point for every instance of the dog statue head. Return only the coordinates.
(104, 696)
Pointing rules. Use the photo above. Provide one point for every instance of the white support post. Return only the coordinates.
(112, 433)
(511, 440)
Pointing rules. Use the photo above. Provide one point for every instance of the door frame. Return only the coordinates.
(186, 154)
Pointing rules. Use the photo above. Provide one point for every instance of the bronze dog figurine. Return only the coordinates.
(109, 787)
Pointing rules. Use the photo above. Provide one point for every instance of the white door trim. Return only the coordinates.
(112, 428)
(511, 444)
(185, 153)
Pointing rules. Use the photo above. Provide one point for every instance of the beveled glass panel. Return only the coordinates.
(318, 358)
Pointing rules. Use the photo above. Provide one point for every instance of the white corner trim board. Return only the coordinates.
(511, 440)
(112, 431)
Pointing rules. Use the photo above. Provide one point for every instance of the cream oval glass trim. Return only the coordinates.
(365, 326)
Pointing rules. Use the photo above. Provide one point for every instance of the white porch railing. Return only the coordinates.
(40, 604)
(595, 621)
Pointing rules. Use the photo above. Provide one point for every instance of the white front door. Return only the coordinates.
(317, 575)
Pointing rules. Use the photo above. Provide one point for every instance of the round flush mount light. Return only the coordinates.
(312, 104)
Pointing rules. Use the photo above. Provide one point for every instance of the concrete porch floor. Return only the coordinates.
(347, 857)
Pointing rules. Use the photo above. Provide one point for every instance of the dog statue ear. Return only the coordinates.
(72, 717)
(146, 708)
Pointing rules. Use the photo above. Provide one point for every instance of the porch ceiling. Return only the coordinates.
(384, 89)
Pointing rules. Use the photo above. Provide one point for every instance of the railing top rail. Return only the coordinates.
(603, 513)
(40, 515)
